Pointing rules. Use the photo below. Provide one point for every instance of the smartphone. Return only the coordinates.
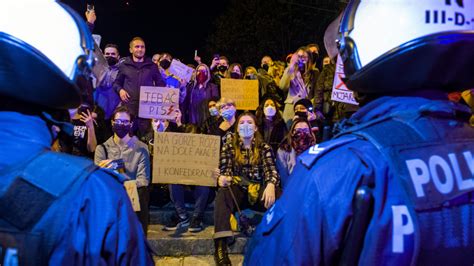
(302, 114)
(90, 7)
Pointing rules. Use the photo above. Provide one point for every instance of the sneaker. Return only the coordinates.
(176, 222)
(196, 225)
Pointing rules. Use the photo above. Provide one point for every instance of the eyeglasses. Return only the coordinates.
(121, 122)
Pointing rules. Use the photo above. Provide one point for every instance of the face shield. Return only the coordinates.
(44, 48)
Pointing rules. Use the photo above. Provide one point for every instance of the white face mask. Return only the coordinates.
(269, 111)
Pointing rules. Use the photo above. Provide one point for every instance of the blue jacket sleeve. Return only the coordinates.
(103, 229)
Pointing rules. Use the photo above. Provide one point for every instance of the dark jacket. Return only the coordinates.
(132, 75)
(275, 135)
(195, 107)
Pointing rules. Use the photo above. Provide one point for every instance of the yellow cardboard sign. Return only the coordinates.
(188, 159)
(132, 191)
(243, 91)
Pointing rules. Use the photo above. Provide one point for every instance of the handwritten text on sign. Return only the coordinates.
(244, 92)
(158, 102)
(181, 70)
(189, 159)
(340, 92)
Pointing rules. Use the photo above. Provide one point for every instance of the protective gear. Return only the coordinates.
(165, 63)
(213, 111)
(428, 37)
(228, 114)
(235, 75)
(111, 61)
(424, 146)
(251, 76)
(265, 67)
(222, 68)
(201, 77)
(246, 130)
(269, 111)
(28, 48)
(121, 130)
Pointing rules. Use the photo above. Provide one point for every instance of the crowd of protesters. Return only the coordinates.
(258, 147)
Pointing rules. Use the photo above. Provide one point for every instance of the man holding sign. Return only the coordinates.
(135, 71)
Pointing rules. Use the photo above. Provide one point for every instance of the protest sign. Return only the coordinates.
(181, 70)
(243, 91)
(132, 191)
(189, 159)
(340, 92)
(158, 102)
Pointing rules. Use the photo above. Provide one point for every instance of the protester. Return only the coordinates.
(270, 123)
(298, 139)
(212, 122)
(84, 139)
(266, 84)
(198, 93)
(226, 122)
(133, 156)
(136, 71)
(235, 71)
(390, 188)
(57, 209)
(219, 67)
(296, 81)
(248, 178)
(250, 72)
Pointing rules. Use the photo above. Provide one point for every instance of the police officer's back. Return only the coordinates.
(395, 186)
(54, 208)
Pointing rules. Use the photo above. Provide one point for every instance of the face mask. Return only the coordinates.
(228, 114)
(246, 130)
(201, 77)
(165, 64)
(301, 65)
(301, 141)
(121, 130)
(269, 111)
(111, 60)
(265, 67)
(251, 76)
(222, 68)
(213, 111)
(234, 75)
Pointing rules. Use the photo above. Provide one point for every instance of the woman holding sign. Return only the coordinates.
(248, 178)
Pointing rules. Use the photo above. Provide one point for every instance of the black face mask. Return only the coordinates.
(111, 60)
(234, 75)
(121, 130)
(165, 64)
(265, 67)
(222, 68)
(251, 76)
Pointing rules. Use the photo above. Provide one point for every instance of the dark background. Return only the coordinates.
(242, 30)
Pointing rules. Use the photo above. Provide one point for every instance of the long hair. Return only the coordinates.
(261, 115)
(286, 143)
(236, 142)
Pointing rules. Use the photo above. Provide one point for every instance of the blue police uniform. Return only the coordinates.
(415, 154)
(56, 220)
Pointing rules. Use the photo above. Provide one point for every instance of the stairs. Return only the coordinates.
(181, 247)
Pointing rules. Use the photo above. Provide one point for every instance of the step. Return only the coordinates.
(184, 243)
(202, 260)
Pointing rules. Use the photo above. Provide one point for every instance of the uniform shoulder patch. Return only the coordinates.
(309, 157)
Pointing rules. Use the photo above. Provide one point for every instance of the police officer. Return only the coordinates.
(55, 208)
(395, 186)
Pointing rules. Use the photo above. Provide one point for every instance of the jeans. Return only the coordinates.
(200, 193)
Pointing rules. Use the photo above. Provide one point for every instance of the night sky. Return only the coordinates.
(159, 23)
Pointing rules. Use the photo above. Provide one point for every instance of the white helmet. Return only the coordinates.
(44, 47)
(401, 45)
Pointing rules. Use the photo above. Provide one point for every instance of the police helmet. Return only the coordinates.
(44, 47)
(405, 45)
